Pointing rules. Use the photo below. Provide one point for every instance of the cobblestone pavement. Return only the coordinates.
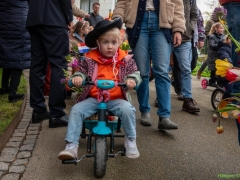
(15, 156)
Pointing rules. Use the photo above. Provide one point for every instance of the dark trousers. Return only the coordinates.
(176, 75)
(194, 58)
(225, 83)
(11, 79)
(213, 78)
(48, 43)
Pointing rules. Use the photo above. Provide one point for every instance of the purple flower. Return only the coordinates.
(75, 63)
(219, 12)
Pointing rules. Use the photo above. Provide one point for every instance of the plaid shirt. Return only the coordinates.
(199, 29)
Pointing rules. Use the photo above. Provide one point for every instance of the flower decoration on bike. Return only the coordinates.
(72, 67)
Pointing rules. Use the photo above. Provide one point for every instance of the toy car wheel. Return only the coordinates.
(100, 158)
(216, 97)
(204, 83)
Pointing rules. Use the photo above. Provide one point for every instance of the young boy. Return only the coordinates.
(107, 61)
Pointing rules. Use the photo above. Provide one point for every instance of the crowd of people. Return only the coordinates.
(155, 30)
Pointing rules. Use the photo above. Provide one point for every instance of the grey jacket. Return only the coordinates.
(191, 15)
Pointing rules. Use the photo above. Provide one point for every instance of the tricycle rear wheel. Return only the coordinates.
(100, 158)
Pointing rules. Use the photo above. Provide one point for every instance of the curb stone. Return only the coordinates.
(17, 152)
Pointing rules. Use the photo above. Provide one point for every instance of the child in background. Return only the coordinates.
(107, 61)
(215, 35)
(80, 31)
(225, 52)
(76, 36)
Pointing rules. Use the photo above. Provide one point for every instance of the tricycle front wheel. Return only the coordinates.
(100, 158)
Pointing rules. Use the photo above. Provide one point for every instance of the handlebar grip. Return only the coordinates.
(136, 87)
(70, 84)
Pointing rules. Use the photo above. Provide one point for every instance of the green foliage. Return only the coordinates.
(9, 110)
(125, 46)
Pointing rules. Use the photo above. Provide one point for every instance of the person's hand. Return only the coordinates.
(87, 15)
(130, 83)
(177, 39)
(77, 81)
(200, 44)
(70, 25)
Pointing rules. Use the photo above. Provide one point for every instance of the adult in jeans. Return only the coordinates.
(48, 22)
(184, 56)
(233, 17)
(197, 42)
(150, 25)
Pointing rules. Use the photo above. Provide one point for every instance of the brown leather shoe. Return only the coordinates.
(190, 105)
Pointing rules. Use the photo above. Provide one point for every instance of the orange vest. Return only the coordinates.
(105, 71)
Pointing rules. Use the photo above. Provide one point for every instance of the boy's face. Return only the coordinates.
(108, 45)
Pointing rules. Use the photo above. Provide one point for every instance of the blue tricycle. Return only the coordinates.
(100, 129)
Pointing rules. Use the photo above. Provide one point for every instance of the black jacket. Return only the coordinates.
(224, 51)
(49, 13)
(15, 48)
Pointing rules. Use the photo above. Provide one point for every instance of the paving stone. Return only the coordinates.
(31, 136)
(19, 131)
(7, 158)
(29, 117)
(11, 176)
(16, 139)
(23, 125)
(20, 162)
(28, 147)
(4, 166)
(33, 128)
(18, 134)
(25, 120)
(13, 144)
(35, 125)
(32, 132)
(24, 154)
(16, 169)
(29, 141)
(9, 151)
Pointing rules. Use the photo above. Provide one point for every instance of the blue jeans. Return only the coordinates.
(184, 57)
(80, 111)
(233, 22)
(152, 39)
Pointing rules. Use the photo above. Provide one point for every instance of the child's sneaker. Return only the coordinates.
(70, 152)
(131, 148)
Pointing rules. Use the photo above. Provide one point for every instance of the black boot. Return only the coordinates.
(15, 97)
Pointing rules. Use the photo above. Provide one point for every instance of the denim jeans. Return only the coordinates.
(184, 57)
(153, 39)
(233, 22)
(80, 111)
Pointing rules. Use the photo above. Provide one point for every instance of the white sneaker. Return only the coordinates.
(70, 152)
(131, 148)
